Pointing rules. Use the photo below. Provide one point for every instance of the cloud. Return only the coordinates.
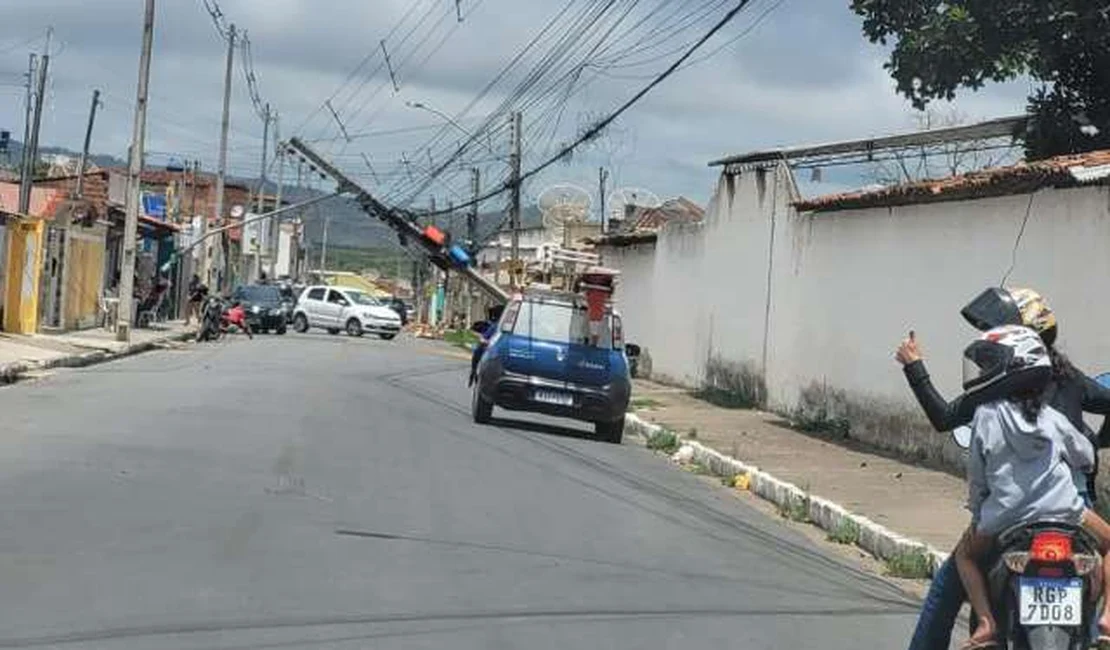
(803, 74)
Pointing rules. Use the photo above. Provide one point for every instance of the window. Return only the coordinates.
(360, 298)
(316, 294)
(259, 293)
(558, 322)
(336, 298)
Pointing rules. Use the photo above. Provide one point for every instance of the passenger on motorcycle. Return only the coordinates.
(1023, 456)
(1070, 392)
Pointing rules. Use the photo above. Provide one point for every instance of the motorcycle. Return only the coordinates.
(1045, 580)
(211, 320)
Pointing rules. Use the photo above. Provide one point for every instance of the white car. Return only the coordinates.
(341, 308)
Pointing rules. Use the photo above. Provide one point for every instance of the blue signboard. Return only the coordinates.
(154, 205)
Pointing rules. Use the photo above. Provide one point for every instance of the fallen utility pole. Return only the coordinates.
(402, 223)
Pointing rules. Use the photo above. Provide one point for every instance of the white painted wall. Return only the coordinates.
(846, 286)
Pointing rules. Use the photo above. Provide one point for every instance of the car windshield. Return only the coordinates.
(558, 322)
(259, 293)
(360, 298)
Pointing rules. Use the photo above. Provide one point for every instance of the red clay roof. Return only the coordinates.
(1000, 181)
(678, 209)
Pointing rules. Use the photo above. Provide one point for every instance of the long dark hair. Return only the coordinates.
(1030, 404)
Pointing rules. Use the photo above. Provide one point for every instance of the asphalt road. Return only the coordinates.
(325, 492)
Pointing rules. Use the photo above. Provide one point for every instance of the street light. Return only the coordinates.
(424, 107)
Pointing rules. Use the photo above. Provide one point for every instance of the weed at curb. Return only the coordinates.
(796, 509)
(846, 532)
(914, 565)
(644, 403)
(664, 441)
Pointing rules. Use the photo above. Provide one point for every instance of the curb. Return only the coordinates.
(13, 372)
(874, 538)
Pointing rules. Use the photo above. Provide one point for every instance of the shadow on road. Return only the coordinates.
(542, 427)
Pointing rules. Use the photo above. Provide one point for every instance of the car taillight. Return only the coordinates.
(508, 319)
(1051, 547)
(618, 333)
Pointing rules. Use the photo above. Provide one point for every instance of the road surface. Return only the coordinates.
(319, 491)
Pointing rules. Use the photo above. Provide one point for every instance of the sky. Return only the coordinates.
(784, 72)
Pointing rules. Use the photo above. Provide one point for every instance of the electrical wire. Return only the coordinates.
(1017, 241)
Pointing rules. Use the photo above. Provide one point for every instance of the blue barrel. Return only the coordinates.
(459, 256)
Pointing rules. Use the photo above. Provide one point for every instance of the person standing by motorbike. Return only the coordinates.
(197, 293)
(1069, 391)
(1020, 469)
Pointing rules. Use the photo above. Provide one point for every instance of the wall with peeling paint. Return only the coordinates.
(846, 286)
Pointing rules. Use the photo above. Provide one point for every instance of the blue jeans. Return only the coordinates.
(940, 610)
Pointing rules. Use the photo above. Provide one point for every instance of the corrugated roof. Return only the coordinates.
(678, 209)
(1061, 171)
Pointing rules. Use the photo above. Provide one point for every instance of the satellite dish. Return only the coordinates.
(236, 211)
(561, 205)
(625, 199)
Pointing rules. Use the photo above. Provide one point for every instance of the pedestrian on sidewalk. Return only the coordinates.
(1070, 392)
(197, 293)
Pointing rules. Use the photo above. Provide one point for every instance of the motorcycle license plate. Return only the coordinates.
(553, 397)
(1051, 601)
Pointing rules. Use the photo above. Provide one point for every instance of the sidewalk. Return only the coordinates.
(921, 504)
(21, 354)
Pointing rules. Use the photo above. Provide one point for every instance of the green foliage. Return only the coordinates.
(664, 441)
(795, 509)
(357, 260)
(941, 46)
(915, 565)
(846, 532)
(464, 339)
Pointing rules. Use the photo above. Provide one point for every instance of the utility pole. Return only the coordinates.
(324, 246)
(36, 124)
(134, 176)
(79, 192)
(243, 251)
(602, 176)
(24, 165)
(472, 217)
(514, 201)
(221, 171)
(275, 221)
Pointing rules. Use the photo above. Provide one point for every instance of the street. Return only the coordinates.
(315, 491)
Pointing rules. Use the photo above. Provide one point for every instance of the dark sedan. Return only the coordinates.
(266, 308)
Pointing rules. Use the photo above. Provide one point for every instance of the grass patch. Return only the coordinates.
(796, 509)
(846, 532)
(914, 565)
(645, 403)
(700, 470)
(663, 440)
(464, 339)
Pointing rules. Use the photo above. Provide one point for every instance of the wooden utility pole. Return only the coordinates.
(221, 170)
(134, 178)
(514, 200)
(275, 222)
(25, 177)
(80, 191)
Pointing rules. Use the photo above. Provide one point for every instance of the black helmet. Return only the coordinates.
(1006, 361)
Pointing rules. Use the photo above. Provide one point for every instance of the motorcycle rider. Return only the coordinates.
(1070, 392)
(1021, 463)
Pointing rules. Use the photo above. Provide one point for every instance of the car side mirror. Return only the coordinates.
(962, 437)
(632, 350)
(344, 303)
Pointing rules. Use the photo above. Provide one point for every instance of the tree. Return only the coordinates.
(941, 46)
(937, 161)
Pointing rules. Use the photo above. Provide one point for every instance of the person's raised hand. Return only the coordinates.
(908, 352)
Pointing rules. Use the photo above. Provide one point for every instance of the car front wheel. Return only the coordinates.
(354, 328)
(300, 323)
(610, 432)
(480, 407)
(386, 337)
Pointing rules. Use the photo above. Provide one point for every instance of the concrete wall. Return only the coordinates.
(845, 287)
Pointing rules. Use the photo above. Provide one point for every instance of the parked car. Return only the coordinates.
(341, 308)
(264, 307)
(541, 360)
